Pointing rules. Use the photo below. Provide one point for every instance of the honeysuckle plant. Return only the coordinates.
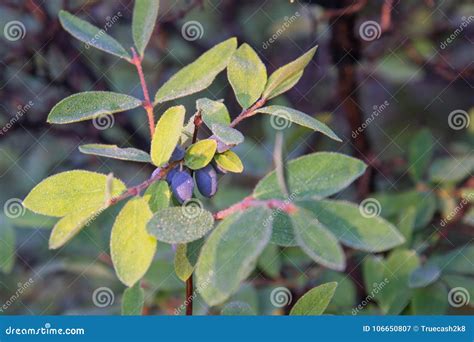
(284, 209)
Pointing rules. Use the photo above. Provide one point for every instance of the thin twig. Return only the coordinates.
(248, 112)
(137, 61)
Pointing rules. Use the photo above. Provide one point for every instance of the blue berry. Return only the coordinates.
(206, 181)
(177, 154)
(182, 186)
(155, 173)
(171, 173)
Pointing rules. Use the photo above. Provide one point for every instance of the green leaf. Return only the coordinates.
(230, 253)
(7, 246)
(344, 220)
(180, 224)
(199, 74)
(396, 294)
(313, 176)
(186, 257)
(269, 261)
(200, 154)
(300, 118)
(283, 232)
(213, 112)
(467, 283)
(70, 191)
(424, 276)
(237, 308)
(229, 161)
(115, 152)
(89, 105)
(158, 195)
(228, 135)
(430, 300)
(71, 224)
(145, 13)
(91, 35)
(287, 76)
(315, 301)
(131, 247)
(373, 268)
(420, 153)
(167, 134)
(247, 75)
(132, 301)
(406, 225)
(458, 261)
(316, 241)
(451, 169)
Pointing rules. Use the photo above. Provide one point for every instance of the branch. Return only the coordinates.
(249, 201)
(136, 60)
(248, 112)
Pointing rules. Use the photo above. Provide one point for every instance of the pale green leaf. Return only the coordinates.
(230, 253)
(247, 75)
(228, 135)
(115, 152)
(451, 169)
(158, 195)
(229, 161)
(91, 35)
(200, 154)
(70, 191)
(90, 104)
(430, 300)
(145, 13)
(317, 241)
(269, 261)
(199, 74)
(7, 246)
(287, 76)
(344, 220)
(314, 176)
(282, 233)
(167, 134)
(419, 154)
(180, 224)
(300, 118)
(131, 247)
(132, 300)
(213, 112)
(315, 301)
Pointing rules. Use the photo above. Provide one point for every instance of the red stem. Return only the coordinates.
(136, 60)
(249, 201)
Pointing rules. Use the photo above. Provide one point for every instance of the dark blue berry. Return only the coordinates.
(218, 169)
(171, 173)
(178, 153)
(182, 186)
(206, 181)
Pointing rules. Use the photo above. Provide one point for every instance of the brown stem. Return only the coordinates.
(248, 112)
(189, 296)
(137, 61)
(249, 201)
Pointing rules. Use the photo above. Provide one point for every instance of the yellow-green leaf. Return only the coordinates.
(287, 76)
(90, 104)
(158, 195)
(247, 75)
(229, 161)
(91, 35)
(199, 74)
(200, 154)
(315, 301)
(131, 247)
(145, 13)
(213, 112)
(69, 192)
(167, 134)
